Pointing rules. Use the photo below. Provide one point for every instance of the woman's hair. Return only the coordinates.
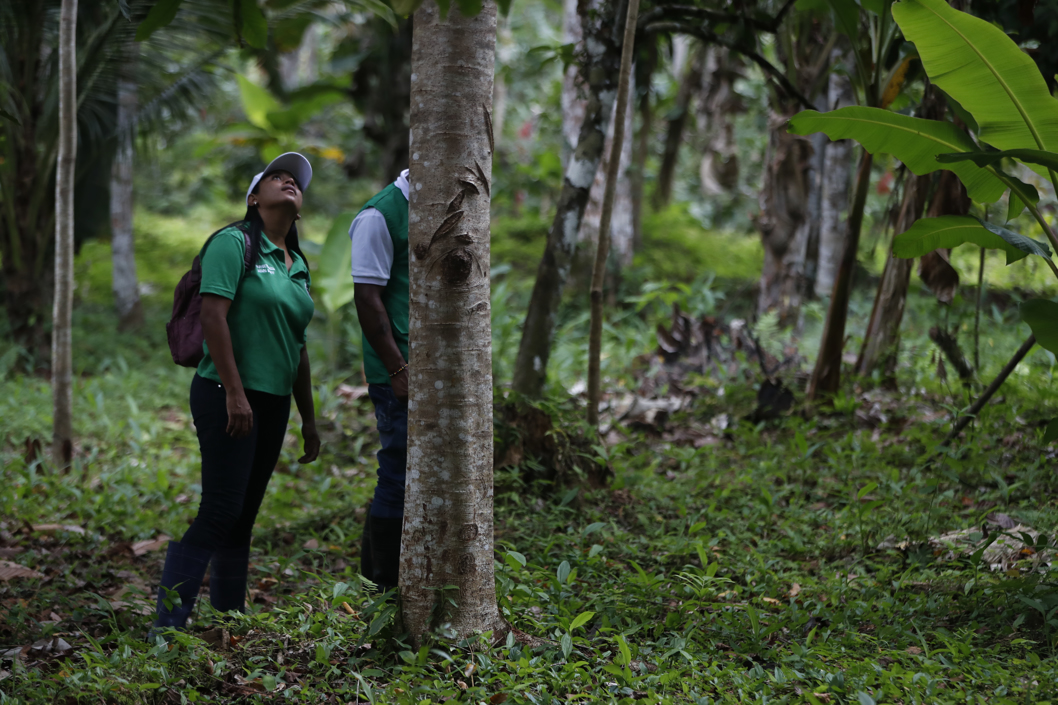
(254, 226)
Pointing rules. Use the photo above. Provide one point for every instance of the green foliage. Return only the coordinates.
(914, 141)
(928, 234)
(979, 66)
(1042, 317)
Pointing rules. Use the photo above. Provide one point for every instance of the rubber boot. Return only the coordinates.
(367, 568)
(385, 551)
(185, 566)
(227, 578)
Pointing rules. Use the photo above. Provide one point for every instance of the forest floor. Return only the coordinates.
(823, 556)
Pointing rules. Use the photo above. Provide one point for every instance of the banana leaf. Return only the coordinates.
(1042, 317)
(979, 66)
(984, 159)
(914, 141)
(928, 234)
(332, 281)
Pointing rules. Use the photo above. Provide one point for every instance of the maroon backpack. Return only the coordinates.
(184, 329)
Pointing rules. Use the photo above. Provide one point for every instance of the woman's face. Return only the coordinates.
(278, 189)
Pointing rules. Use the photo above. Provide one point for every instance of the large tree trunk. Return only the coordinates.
(783, 221)
(718, 104)
(62, 315)
(639, 164)
(837, 176)
(448, 522)
(622, 227)
(676, 123)
(882, 337)
(826, 377)
(599, 69)
(123, 253)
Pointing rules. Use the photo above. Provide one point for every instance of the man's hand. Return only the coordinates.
(399, 382)
(240, 415)
(312, 443)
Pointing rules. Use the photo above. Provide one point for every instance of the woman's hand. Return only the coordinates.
(240, 415)
(312, 443)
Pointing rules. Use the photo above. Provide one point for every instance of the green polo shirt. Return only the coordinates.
(269, 314)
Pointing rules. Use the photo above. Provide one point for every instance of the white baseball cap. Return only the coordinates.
(292, 162)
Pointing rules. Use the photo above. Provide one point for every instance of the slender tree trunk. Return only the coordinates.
(613, 170)
(882, 337)
(677, 122)
(123, 254)
(599, 72)
(826, 377)
(448, 521)
(62, 315)
(718, 104)
(837, 176)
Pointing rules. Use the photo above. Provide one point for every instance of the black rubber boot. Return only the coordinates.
(185, 566)
(227, 579)
(385, 551)
(367, 568)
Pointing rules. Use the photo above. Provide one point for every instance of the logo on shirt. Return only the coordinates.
(265, 268)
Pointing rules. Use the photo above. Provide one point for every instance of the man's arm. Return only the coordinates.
(374, 320)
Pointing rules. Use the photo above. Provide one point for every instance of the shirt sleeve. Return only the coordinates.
(222, 264)
(372, 248)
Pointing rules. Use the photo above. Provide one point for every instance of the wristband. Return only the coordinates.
(402, 368)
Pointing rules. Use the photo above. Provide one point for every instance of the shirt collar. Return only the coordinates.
(402, 183)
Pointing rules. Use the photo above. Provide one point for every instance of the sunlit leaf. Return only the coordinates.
(257, 102)
(979, 66)
(580, 620)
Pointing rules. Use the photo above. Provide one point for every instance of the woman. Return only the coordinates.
(254, 316)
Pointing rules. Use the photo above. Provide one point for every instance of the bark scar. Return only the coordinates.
(488, 128)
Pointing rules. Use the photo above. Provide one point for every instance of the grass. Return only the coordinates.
(746, 563)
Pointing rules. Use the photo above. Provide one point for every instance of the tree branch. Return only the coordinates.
(712, 38)
(676, 12)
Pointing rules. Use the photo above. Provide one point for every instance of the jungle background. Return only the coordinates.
(719, 538)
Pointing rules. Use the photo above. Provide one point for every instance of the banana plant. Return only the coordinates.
(1015, 118)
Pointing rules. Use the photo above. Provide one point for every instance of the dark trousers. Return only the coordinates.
(392, 417)
(235, 471)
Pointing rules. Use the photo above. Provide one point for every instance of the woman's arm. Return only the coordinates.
(214, 319)
(303, 399)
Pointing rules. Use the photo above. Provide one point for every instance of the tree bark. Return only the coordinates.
(62, 313)
(882, 337)
(600, 60)
(123, 253)
(612, 173)
(677, 122)
(718, 104)
(448, 521)
(622, 228)
(826, 377)
(783, 222)
(837, 177)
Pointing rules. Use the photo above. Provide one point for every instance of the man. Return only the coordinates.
(379, 236)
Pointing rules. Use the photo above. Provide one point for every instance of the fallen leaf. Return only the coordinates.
(795, 590)
(311, 545)
(9, 570)
(348, 609)
(52, 528)
(498, 698)
(11, 552)
(914, 650)
(772, 601)
(143, 547)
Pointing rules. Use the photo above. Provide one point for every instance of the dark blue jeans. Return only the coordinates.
(392, 417)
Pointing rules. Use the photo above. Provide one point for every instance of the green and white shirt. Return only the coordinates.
(269, 315)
